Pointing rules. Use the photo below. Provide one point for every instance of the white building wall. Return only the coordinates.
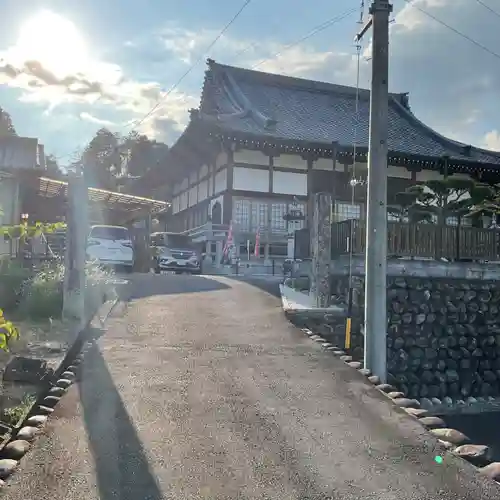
(221, 160)
(290, 183)
(203, 190)
(251, 179)
(193, 196)
(203, 171)
(251, 157)
(221, 181)
(290, 161)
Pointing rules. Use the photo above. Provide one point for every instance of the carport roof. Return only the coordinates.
(50, 188)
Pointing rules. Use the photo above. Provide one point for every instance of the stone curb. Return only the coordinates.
(450, 440)
(19, 444)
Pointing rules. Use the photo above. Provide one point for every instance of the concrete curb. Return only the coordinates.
(450, 440)
(67, 373)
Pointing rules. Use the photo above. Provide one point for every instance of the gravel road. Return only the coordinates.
(200, 389)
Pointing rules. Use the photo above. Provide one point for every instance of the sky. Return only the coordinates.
(68, 68)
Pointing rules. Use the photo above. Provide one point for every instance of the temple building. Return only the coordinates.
(260, 145)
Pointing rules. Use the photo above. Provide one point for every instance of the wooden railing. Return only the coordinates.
(421, 240)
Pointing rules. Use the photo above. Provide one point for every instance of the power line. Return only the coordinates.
(197, 61)
(317, 29)
(313, 32)
(455, 30)
(493, 11)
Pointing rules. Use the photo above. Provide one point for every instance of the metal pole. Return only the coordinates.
(376, 230)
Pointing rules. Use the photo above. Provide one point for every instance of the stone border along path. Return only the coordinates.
(19, 445)
(450, 439)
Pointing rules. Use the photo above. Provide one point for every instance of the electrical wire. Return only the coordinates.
(136, 123)
(493, 11)
(455, 30)
(193, 65)
(314, 31)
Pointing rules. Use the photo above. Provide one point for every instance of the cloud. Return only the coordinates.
(98, 121)
(188, 46)
(52, 77)
(491, 140)
(452, 82)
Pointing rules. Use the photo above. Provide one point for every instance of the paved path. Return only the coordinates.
(200, 389)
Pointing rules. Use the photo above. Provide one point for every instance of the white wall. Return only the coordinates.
(203, 190)
(250, 156)
(193, 196)
(398, 172)
(175, 204)
(203, 171)
(193, 177)
(428, 175)
(221, 181)
(290, 183)
(221, 160)
(251, 179)
(290, 161)
(183, 201)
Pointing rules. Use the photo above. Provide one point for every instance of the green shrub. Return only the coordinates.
(13, 277)
(43, 296)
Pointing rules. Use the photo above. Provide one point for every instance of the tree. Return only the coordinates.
(6, 126)
(142, 154)
(485, 200)
(52, 167)
(101, 160)
(436, 200)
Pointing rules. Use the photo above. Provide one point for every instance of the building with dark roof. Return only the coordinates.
(260, 143)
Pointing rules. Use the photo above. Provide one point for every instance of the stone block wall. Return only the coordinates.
(443, 335)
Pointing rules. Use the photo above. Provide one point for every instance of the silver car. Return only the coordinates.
(175, 252)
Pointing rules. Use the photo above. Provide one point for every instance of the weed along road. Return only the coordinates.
(201, 389)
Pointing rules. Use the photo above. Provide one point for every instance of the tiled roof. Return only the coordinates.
(286, 108)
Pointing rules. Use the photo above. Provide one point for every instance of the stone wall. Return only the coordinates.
(443, 337)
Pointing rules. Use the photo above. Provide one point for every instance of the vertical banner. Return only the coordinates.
(257, 243)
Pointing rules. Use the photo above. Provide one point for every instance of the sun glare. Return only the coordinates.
(53, 41)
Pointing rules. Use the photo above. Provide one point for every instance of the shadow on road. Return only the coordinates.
(122, 469)
(268, 285)
(147, 285)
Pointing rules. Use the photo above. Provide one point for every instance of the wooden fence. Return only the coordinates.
(421, 240)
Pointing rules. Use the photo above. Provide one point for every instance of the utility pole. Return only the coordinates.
(376, 229)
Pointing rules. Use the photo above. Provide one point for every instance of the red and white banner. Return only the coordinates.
(257, 243)
(229, 241)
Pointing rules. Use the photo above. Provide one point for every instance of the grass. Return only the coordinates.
(13, 415)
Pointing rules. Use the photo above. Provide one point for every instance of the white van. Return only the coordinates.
(111, 245)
